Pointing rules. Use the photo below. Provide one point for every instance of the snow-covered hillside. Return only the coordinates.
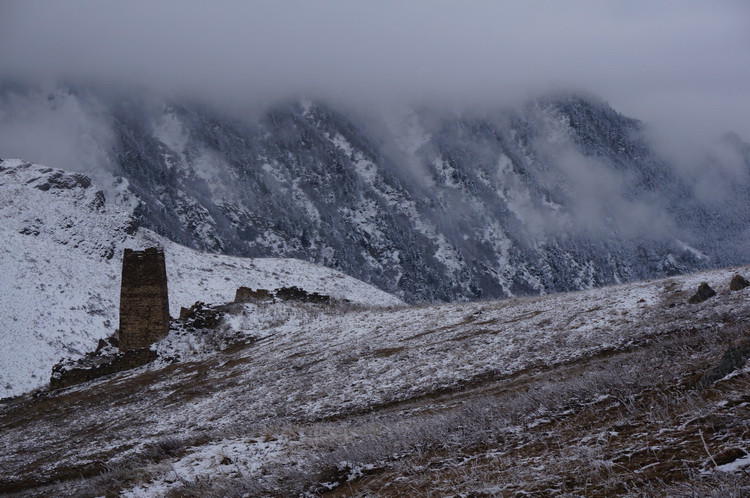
(61, 243)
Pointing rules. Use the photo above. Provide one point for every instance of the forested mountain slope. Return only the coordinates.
(429, 203)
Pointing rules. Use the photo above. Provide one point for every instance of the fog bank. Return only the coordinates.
(681, 66)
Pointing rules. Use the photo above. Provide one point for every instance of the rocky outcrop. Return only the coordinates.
(704, 292)
(62, 180)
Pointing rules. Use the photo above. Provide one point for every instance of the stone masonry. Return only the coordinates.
(92, 367)
(144, 301)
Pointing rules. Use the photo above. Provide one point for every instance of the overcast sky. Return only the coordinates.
(680, 64)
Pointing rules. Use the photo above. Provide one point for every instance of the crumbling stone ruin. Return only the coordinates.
(248, 295)
(144, 299)
(200, 316)
(98, 364)
(297, 294)
(704, 292)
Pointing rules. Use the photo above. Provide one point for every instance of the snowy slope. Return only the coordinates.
(311, 365)
(361, 358)
(61, 243)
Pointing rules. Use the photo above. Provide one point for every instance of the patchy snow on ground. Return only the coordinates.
(226, 458)
(386, 354)
(737, 465)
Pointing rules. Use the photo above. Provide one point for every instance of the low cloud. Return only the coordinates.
(671, 63)
(608, 202)
(54, 128)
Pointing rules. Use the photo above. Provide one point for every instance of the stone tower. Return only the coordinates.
(144, 302)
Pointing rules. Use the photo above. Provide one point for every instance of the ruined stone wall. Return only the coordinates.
(248, 295)
(144, 300)
(90, 369)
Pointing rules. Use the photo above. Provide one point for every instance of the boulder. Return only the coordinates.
(734, 358)
(704, 292)
(738, 283)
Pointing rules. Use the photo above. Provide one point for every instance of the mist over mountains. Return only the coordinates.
(428, 202)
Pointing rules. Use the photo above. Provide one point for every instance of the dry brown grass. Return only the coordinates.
(627, 420)
(552, 438)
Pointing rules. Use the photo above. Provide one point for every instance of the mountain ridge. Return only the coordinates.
(431, 204)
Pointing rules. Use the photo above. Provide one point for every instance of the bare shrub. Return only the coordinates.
(168, 447)
(116, 477)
